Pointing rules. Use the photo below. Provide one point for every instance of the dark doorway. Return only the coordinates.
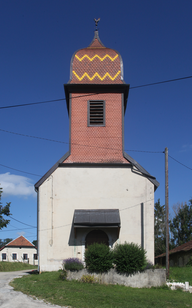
(96, 236)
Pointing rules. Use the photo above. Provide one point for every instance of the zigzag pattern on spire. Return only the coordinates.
(96, 56)
(96, 75)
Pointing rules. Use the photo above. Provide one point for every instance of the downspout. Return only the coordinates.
(51, 240)
(38, 237)
(142, 225)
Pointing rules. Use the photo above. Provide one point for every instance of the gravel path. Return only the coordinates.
(10, 298)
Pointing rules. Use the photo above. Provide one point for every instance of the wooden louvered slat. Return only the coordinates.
(96, 113)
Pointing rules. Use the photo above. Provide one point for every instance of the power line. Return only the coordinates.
(129, 207)
(29, 104)
(160, 82)
(45, 102)
(32, 236)
(29, 136)
(62, 226)
(84, 145)
(72, 143)
(142, 151)
(62, 99)
(20, 170)
(180, 162)
(16, 229)
(19, 229)
(22, 222)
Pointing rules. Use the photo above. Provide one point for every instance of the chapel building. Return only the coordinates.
(96, 192)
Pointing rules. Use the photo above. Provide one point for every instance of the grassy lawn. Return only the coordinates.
(181, 274)
(15, 266)
(75, 294)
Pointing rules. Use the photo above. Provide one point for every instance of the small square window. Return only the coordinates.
(14, 256)
(4, 257)
(96, 113)
(25, 256)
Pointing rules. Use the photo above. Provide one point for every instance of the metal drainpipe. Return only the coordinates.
(51, 241)
(38, 237)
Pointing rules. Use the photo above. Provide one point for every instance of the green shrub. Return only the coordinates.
(148, 265)
(63, 274)
(98, 258)
(129, 258)
(157, 266)
(73, 264)
(189, 263)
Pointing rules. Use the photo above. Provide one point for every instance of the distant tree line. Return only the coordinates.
(180, 226)
(5, 241)
(4, 211)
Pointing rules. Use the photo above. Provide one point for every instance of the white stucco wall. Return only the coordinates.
(19, 251)
(68, 189)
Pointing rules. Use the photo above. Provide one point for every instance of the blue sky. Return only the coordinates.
(38, 39)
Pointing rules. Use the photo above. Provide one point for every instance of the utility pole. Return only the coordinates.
(167, 211)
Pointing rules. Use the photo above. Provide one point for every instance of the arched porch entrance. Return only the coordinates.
(96, 236)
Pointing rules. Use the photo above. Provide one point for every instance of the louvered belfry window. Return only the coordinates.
(96, 114)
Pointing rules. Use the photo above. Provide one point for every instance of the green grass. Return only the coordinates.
(15, 266)
(181, 274)
(75, 294)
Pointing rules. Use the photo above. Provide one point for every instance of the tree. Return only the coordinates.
(5, 241)
(181, 224)
(34, 243)
(4, 211)
(160, 229)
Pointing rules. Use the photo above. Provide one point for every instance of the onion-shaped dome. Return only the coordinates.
(96, 64)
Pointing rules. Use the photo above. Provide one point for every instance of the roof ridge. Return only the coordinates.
(20, 241)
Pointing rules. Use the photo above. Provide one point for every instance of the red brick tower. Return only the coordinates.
(96, 100)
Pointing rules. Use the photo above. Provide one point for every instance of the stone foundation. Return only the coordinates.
(147, 279)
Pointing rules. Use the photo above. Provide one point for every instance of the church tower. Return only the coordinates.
(96, 100)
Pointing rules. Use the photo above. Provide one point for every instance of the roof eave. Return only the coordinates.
(151, 178)
(51, 170)
(96, 88)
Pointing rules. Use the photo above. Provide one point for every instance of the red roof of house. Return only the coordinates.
(20, 241)
(184, 247)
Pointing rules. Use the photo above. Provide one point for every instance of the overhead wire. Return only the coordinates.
(66, 225)
(17, 229)
(90, 94)
(21, 222)
(44, 102)
(128, 150)
(19, 170)
(179, 162)
(60, 99)
(73, 143)
(160, 82)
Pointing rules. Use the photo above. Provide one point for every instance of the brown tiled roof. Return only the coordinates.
(184, 247)
(20, 241)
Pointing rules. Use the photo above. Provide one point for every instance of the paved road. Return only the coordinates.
(10, 298)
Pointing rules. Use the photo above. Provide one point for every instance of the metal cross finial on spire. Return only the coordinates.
(96, 23)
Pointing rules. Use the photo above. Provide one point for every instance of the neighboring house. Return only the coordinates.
(19, 250)
(179, 256)
(96, 192)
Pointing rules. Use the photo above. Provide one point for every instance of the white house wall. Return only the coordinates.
(20, 251)
(73, 188)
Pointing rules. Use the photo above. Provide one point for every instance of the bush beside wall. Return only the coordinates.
(98, 258)
(129, 258)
